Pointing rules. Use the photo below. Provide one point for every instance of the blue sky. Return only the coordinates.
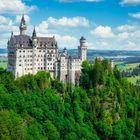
(106, 24)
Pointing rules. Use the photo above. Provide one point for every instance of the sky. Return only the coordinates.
(106, 24)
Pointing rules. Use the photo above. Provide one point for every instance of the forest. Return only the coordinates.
(104, 106)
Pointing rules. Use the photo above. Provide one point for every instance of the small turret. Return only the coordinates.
(12, 33)
(22, 27)
(65, 51)
(112, 63)
(34, 36)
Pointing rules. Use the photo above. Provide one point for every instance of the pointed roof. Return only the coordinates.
(23, 22)
(34, 33)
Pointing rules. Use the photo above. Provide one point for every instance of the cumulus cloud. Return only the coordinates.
(135, 15)
(70, 22)
(123, 36)
(5, 20)
(130, 2)
(66, 41)
(6, 26)
(15, 7)
(125, 27)
(42, 28)
(103, 32)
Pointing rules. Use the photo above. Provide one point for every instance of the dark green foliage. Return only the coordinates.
(104, 106)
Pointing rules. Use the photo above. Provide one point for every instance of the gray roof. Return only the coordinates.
(26, 41)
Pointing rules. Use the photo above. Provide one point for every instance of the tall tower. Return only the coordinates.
(82, 49)
(22, 27)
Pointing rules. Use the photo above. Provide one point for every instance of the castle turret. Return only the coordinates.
(34, 34)
(65, 51)
(34, 37)
(82, 49)
(22, 27)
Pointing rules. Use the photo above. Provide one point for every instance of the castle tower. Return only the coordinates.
(82, 49)
(22, 26)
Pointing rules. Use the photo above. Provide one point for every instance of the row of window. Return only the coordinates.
(49, 51)
(38, 64)
(49, 55)
(40, 68)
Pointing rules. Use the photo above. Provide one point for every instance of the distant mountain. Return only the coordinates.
(3, 50)
(122, 55)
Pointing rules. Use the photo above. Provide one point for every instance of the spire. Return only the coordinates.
(12, 33)
(22, 26)
(34, 33)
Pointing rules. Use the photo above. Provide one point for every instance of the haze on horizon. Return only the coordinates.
(106, 24)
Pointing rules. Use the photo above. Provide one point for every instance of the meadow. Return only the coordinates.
(128, 67)
(3, 62)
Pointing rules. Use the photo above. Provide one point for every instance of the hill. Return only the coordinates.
(104, 106)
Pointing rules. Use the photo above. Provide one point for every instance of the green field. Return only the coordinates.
(3, 65)
(3, 62)
(124, 67)
(134, 79)
(128, 67)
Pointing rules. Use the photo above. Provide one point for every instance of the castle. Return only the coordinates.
(32, 54)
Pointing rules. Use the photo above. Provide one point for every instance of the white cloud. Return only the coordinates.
(5, 20)
(42, 27)
(80, 0)
(135, 34)
(67, 41)
(130, 2)
(123, 36)
(131, 46)
(70, 22)
(126, 27)
(103, 44)
(14, 7)
(18, 18)
(135, 15)
(103, 32)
